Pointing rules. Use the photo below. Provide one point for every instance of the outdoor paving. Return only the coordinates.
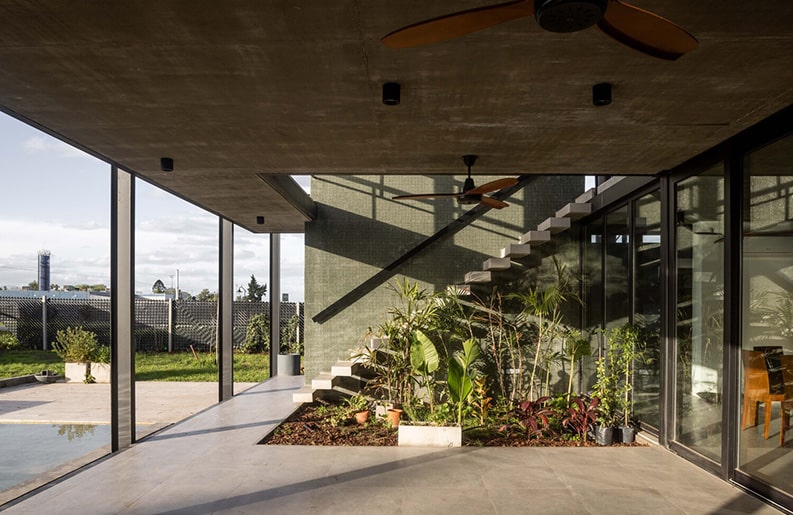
(210, 463)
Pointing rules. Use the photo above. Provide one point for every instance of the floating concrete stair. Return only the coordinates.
(496, 264)
(346, 378)
(554, 225)
(586, 196)
(478, 277)
(609, 183)
(536, 237)
(574, 210)
(515, 251)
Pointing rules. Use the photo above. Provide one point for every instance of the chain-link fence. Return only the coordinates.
(160, 325)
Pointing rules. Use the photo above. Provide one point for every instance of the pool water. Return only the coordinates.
(29, 450)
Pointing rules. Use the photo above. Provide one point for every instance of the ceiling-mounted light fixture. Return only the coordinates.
(391, 93)
(601, 94)
(166, 164)
(260, 220)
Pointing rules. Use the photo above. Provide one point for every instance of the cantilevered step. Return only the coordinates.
(574, 210)
(586, 196)
(478, 277)
(305, 394)
(496, 264)
(323, 382)
(515, 250)
(554, 225)
(536, 237)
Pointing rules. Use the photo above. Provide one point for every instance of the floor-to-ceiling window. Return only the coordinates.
(767, 318)
(699, 267)
(617, 268)
(647, 305)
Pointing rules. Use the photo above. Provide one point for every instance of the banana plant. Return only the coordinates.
(461, 375)
(425, 360)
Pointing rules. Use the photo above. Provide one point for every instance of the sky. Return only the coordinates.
(57, 198)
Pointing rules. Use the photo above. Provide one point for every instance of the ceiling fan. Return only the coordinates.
(639, 29)
(471, 194)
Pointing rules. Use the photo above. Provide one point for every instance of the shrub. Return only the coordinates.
(75, 344)
(257, 335)
(8, 341)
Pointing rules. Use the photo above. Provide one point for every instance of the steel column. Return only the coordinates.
(122, 307)
(275, 302)
(225, 315)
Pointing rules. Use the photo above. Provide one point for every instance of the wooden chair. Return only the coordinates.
(787, 404)
(758, 388)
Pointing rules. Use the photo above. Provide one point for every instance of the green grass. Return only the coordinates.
(15, 363)
(179, 366)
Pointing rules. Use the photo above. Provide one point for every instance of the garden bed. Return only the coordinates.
(314, 424)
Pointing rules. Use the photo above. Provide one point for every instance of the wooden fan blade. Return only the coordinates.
(457, 24)
(494, 203)
(492, 186)
(426, 195)
(645, 31)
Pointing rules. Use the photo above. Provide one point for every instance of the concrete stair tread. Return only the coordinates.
(502, 263)
(554, 224)
(575, 210)
(516, 250)
(478, 277)
(536, 237)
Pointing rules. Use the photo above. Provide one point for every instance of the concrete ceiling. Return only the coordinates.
(235, 91)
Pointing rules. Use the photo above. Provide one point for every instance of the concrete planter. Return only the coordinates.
(75, 372)
(289, 364)
(430, 436)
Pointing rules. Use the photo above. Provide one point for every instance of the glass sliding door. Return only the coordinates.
(647, 290)
(767, 318)
(699, 267)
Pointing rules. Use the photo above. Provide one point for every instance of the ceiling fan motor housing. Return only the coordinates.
(568, 15)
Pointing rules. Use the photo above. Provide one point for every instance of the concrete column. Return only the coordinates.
(225, 315)
(122, 307)
(275, 302)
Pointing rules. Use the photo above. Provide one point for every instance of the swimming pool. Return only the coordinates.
(30, 450)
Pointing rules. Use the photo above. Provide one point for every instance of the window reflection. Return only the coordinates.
(699, 266)
(767, 321)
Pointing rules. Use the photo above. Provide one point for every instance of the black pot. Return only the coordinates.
(604, 435)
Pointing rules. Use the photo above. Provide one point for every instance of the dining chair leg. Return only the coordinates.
(767, 419)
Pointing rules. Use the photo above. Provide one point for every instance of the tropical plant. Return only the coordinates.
(462, 373)
(76, 345)
(425, 361)
(582, 413)
(542, 308)
(575, 348)
(624, 343)
(357, 403)
(605, 387)
(534, 416)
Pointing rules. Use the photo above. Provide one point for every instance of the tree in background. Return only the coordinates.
(255, 291)
(206, 296)
(158, 287)
(34, 285)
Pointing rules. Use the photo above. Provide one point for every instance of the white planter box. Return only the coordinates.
(430, 436)
(75, 372)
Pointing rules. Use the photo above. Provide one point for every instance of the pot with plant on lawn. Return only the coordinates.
(85, 358)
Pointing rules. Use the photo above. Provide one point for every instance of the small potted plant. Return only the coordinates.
(83, 355)
(624, 342)
(605, 390)
(358, 405)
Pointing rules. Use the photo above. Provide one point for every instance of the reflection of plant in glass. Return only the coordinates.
(780, 314)
(73, 431)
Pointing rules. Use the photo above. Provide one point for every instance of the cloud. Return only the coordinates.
(51, 146)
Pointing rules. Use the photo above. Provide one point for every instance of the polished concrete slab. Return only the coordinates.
(210, 463)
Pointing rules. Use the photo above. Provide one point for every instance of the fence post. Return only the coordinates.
(297, 325)
(44, 345)
(170, 325)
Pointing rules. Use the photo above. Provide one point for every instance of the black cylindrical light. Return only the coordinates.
(166, 164)
(601, 94)
(260, 220)
(391, 93)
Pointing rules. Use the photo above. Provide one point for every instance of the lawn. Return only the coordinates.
(178, 366)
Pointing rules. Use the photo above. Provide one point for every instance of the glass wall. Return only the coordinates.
(617, 268)
(699, 267)
(767, 320)
(647, 300)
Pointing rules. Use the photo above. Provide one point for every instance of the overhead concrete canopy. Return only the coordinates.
(239, 90)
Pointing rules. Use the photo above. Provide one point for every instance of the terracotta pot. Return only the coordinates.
(361, 417)
(393, 415)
